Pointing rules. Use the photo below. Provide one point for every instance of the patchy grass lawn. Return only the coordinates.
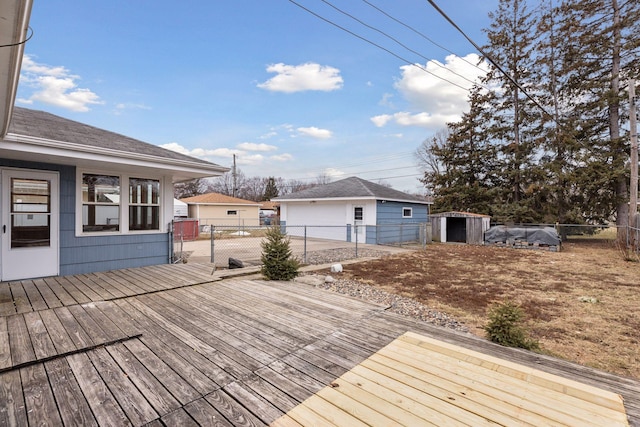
(582, 304)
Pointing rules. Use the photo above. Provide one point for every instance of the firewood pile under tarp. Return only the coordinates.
(520, 237)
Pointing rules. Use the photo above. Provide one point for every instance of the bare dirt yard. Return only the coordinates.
(582, 304)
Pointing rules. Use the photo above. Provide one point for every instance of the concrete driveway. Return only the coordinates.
(249, 250)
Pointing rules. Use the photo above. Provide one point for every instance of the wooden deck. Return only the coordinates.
(169, 345)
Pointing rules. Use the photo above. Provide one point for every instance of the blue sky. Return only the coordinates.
(290, 94)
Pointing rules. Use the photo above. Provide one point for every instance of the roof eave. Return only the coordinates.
(15, 17)
(35, 145)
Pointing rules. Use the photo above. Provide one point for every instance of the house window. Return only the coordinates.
(358, 213)
(100, 203)
(232, 212)
(407, 212)
(144, 204)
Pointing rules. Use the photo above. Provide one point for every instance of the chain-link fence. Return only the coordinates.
(220, 244)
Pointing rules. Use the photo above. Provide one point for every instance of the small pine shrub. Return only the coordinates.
(505, 327)
(277, 259)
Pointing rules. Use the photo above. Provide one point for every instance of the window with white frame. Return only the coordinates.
(144, 204)
(407, 212)
(100, 203)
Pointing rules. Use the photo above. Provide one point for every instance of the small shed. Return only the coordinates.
(459, 227)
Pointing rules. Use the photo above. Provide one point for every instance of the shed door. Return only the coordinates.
(29, 224)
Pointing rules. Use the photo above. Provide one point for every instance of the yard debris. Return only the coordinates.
(590, 300)
(235, 263)
(329, 279)
(336, 268)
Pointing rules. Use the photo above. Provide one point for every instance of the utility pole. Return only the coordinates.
(633, 135)
(235, 177)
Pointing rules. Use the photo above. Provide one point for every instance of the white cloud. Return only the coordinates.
(333, 173)
(381, 120)
(285, 157)
(55, 86)
(130, 106)
(423, 119)
(252, 146)
(433, 100)
(315, 132)
(426, 92)
(299, 78)
(243, 157)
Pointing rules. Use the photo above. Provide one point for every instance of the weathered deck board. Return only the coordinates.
(19, 341)
(103, 405)
(20, 298)
(72, 405)
(12, 395)
(205, 414)
(49, 297)
(245, 352)
(39, 400)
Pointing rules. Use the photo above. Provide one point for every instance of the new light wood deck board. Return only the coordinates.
(407, 382)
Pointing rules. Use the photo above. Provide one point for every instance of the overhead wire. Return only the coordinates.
(429, 60)
(377, 45)
(494, 63)
(20, 42)
(422, 35)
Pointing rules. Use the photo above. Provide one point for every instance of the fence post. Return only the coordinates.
(356, 229)
(171, 242)
(212, 229)
(304, 253)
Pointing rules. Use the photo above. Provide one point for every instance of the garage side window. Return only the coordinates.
(100, 203)
(407, 212)
(144, 204)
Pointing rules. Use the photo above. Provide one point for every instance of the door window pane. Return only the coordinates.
(30, 212)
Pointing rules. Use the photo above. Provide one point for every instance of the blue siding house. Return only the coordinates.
(75, 198)
(78, 199)
(355, 209)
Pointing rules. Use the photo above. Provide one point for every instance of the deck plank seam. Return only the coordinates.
(67, 353)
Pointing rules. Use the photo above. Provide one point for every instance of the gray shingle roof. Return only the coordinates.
(352, 187)
(41, 124)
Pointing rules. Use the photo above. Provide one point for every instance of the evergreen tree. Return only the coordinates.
(195, 187)
(278, 262)
(271, 189)
(463, 176)
(601, 47)
(511, 44)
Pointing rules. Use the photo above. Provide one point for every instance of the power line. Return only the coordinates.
(396, 41)
(421, 35)
(495, 64)
(377, 45)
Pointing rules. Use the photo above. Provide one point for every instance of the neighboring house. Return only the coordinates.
(78, 199)
(341, 209)
(218, 209)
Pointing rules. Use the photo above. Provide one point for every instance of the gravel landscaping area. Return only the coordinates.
(395, 303)
(341, 254)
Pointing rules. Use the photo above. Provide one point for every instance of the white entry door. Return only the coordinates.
(29, 224)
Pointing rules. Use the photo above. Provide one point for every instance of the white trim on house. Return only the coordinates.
(41, 149)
